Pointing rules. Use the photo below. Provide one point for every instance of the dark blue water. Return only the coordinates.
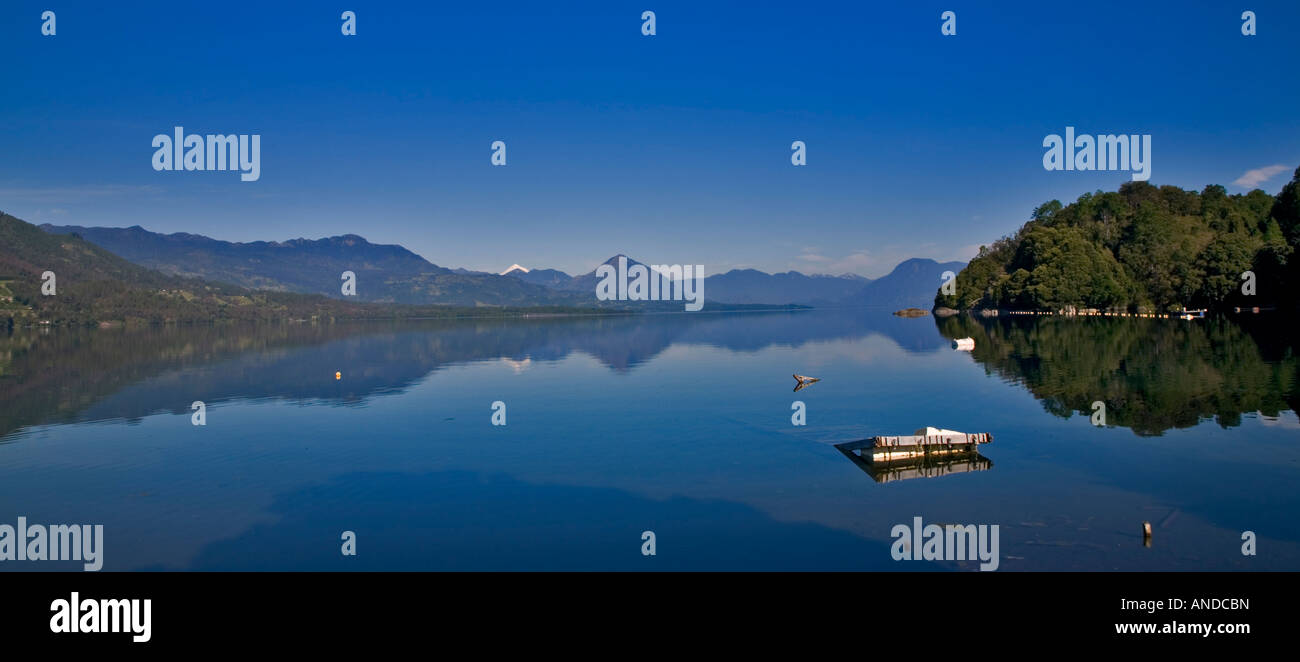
(676, 424)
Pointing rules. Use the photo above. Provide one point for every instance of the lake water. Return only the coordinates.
(677, 424)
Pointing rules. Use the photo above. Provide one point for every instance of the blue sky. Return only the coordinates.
(673, 148)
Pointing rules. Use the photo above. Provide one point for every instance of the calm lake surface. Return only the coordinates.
(678, 424)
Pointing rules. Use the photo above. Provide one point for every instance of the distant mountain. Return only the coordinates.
(545, 277)
(588, 281)
(28, 253)
(911, 284)
(558, 280)
(93, 285)
(753, 286)
(393, 274)
(385, 273)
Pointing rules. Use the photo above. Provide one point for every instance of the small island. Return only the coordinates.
(911, 312)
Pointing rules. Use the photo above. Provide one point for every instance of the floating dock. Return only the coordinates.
(923, 442)
(928, 453)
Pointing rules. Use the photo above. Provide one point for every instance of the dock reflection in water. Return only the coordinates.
(931, 465)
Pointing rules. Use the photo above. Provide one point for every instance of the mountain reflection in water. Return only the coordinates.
(680, 424)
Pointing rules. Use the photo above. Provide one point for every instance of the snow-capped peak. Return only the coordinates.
(514, 267)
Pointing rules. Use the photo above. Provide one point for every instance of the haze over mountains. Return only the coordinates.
(393, 274)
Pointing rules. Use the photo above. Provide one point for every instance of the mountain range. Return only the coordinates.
(88, 284)
(64, 279)
(912, 283)
(384, 273)
(393, 274)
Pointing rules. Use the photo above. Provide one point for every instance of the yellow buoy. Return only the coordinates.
(338, 375)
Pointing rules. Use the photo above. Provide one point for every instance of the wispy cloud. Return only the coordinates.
(813, 261)
(877, 262)
(1282, 420)
(73, 193)
(816, 258)
(1255, 177)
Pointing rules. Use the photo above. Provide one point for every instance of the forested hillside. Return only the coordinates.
(93, 285)
(1142, 248)
(385, 273)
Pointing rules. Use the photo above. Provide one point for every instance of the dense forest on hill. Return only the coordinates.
(1142, 248)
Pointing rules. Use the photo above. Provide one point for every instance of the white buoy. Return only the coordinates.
(964, 344)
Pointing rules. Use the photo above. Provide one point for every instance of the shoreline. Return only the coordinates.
(503, 314)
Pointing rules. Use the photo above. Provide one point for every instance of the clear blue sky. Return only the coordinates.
(673, 148)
